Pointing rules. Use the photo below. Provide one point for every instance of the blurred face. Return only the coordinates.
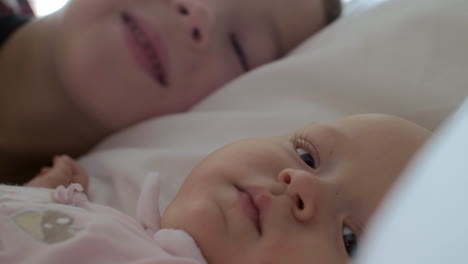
(127, 60)
(298, 198)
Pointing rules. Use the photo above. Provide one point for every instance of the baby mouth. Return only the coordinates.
(145, 45)
(249, 207)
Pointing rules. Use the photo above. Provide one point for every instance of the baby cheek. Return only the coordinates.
(277, 250)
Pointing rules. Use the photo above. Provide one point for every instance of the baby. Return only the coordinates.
(97, 66)
(297, 198)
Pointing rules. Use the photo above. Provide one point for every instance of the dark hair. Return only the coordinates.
(333, 9)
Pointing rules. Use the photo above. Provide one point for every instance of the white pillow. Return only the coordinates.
(423, 220)
(358, 6)
(407, 58)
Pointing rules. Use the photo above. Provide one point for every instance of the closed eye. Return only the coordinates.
(239, 52)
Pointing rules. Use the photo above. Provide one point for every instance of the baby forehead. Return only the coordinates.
(352, 128)
(318, 129)
(375, 123)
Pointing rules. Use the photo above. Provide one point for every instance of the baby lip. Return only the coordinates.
(261, 199)
(250, 208)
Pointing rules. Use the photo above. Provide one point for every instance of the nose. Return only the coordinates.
(196, 19)
(304, 190)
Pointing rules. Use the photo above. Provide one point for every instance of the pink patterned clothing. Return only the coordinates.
(61, 226)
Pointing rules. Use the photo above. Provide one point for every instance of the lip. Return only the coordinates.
(152, 56)
(255, 203)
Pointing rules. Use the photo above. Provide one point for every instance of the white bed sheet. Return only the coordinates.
(423, 220)
(407, 58)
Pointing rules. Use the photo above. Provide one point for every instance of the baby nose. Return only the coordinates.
(196, 19)
(303, 189)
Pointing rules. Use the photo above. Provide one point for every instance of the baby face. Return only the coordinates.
(127, 60)
(299, 198)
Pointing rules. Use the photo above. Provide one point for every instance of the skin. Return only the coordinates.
(302, 209)
(64, 171)
(83, 81)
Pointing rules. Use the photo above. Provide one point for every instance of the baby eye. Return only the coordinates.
(350, 241)
(239, 52)
(306, 157)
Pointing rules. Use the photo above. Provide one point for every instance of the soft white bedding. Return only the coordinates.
(408, 58)
(423, 220)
